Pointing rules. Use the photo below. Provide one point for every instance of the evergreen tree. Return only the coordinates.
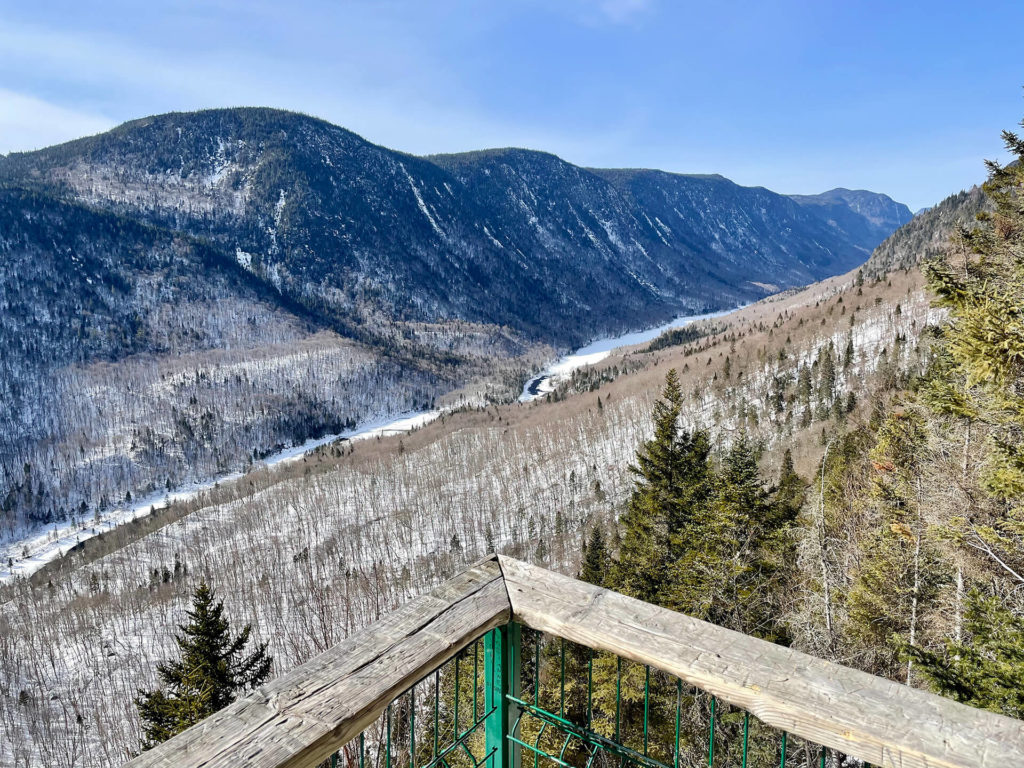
(826, 375)
(978, 378)
(640, 567)
(982, 374)
(212, 670)
(735, 553)
(900, 571)
(595, 559)
(804, 389)
(789, 495)
(985, 670)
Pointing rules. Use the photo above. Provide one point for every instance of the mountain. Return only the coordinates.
(750, 233)
(188, 291)
(927, 234)
(79, 284)
(864, 218)
(134, 358)
(364, 235)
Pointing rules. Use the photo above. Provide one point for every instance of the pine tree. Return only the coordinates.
(212, 670)
(595, 559)
(640, 567)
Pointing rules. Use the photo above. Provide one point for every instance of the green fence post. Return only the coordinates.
(501, 679)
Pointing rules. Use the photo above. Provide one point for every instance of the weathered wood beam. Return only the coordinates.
(302, 717)
(876, 720)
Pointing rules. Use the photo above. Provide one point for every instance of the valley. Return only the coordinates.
(312, 549)
(189, 293)
(596, 351)
(201, 401)
(24, 557)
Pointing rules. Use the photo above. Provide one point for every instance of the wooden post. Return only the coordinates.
(501, 678)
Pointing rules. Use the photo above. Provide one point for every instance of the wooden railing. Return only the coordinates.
(306, 715)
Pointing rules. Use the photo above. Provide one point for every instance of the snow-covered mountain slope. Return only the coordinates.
(358, 232)
(312, 550)
(309, 279)
(865, 218)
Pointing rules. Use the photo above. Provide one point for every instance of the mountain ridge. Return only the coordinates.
(263, 165)
(928, 234)
(865, 217)
(404, 278)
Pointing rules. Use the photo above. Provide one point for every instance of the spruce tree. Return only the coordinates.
(982, 374)
(827, 375)
(735, 555)
(212, 669)
(640, 567)
(789, 494)
(595, 559)
(804, 389)
(978, 379)
(987, 669)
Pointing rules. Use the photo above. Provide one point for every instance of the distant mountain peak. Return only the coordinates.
(865, 217)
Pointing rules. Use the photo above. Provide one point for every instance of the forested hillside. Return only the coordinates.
(928, 235)
(135, 359)
(845, 481)
(189, 292)
(313, 551)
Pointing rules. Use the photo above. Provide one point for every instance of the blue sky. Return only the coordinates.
(905, 98)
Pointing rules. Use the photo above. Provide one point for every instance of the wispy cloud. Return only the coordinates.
(420, 114)
(28, 122)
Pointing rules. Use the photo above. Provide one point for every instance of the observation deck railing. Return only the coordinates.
(509, 663)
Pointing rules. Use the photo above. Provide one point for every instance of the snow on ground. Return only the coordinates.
(598, 350)
(23, 557)
(52, 542)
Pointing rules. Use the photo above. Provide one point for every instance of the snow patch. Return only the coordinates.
(421, 203)
(493, 238)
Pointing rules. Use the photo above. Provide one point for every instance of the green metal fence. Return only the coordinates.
(518, 696)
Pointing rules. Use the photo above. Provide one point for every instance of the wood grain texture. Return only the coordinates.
(876, 720)
(302, 717)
